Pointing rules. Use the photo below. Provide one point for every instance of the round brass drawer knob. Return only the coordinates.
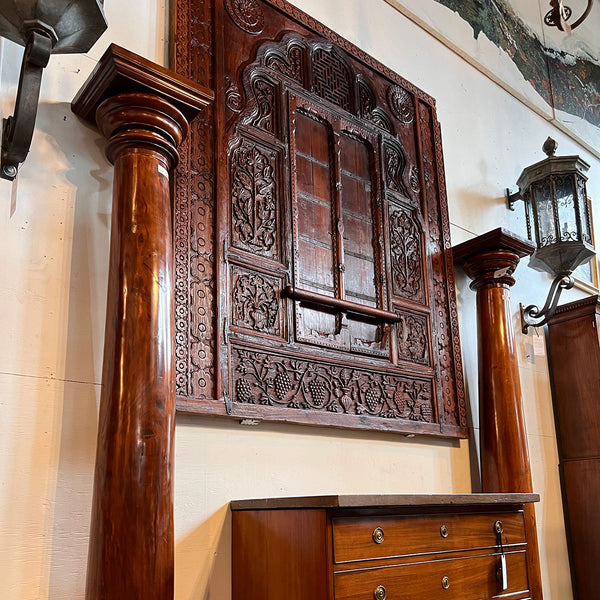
(378, 536)
(380, 593)
(498, 527)
(445, 582)
(444, 531)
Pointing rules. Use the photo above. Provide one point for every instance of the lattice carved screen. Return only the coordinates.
(314, 280)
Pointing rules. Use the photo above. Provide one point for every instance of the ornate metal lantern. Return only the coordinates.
(43, 27)
(556, 209)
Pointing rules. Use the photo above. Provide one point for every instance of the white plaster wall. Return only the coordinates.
(54, 232)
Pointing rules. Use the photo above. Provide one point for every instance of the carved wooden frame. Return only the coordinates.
(203, 280)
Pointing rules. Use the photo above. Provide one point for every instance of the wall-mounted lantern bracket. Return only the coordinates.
(17, 130)
(512, 198)
(532, 316)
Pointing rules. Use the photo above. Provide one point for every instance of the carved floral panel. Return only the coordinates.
(255, 302)
(413, 338)
(254, 199)
(406, 255)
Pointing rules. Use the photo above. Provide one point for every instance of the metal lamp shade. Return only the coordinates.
(76, 24)
(557, 213)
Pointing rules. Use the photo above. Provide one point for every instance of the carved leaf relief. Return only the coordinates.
(264, 92)
(394, 164)
(272, 380)
(233, 98)
(254, 199)
(406, 257)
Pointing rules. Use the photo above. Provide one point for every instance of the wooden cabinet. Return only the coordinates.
(380, 547)
(574, 349)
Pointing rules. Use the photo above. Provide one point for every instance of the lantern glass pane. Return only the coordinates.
(544, 213)
(586, 235)
(565, 202)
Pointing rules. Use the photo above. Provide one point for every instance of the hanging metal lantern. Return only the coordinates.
(556, 209)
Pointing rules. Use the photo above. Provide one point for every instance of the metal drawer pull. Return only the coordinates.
(498, 527)
(378, 538)
(379, 593)
(445, 582)
(444, 531)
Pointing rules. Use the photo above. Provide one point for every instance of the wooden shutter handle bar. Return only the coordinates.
(343, 305)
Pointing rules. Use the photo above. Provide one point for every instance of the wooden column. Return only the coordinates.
(143, 111)
(490, 260)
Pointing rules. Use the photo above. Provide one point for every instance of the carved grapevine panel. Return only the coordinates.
(254, 198)
(270, 380)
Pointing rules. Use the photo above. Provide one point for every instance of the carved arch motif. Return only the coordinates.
(318, 66)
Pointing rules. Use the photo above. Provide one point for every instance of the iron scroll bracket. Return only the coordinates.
(532, 316)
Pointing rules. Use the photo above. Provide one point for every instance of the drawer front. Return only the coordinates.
(456, 579)
(358, 538)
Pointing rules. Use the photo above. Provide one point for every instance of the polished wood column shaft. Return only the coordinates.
(131, 548)
(143, 110)
(490, 260)
(504, 454)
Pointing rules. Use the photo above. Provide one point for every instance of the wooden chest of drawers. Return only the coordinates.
(380, 548)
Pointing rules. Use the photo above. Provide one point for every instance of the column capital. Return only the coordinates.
(120, 71)
(491, 258)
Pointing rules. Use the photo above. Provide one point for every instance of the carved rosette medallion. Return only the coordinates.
(401, 104)
(413, 339)
(247, 15)
(406, 258)
(255, 303)
(273, 380)
(254, 199)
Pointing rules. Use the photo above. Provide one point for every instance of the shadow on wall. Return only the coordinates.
(203, 560)
(467, 307)
(83, 178)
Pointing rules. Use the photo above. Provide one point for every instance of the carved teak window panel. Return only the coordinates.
(314, 280)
